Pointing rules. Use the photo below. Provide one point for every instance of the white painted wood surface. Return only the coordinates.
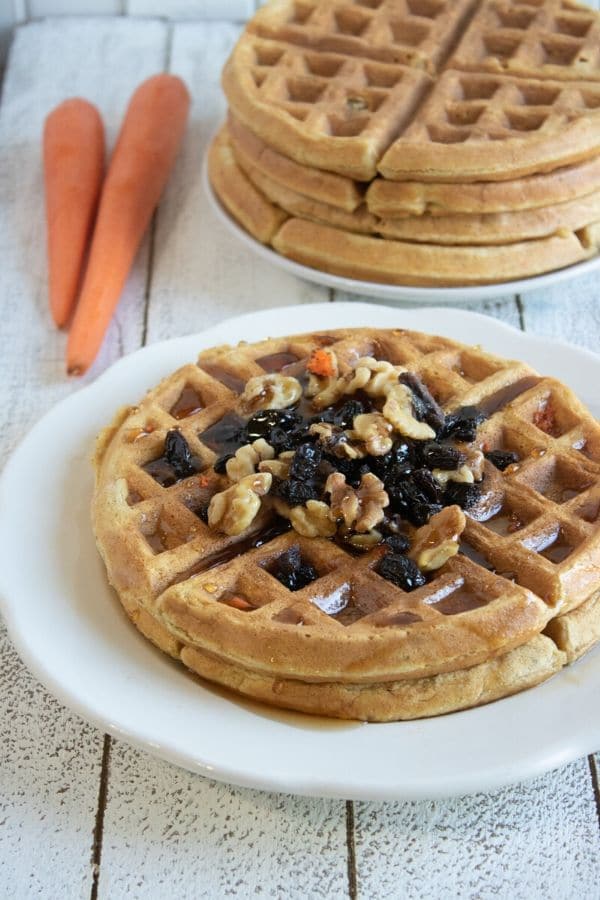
(81, 815)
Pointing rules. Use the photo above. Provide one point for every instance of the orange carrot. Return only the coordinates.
(142, 161)
(321, 364)
(73, 164)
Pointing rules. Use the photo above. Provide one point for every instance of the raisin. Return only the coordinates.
(401, 571)
(426, 483)
(411, 502)
(440, 456)
(398, 543)
(462, 424)
(178, 454)
(262, 423)
(502, 459)
(425, 407)
(202, 513)
(398, 462)
(292, 572)
(352, 469)
(346, 415)
(297, 493)
(463, 495)
(306, 461)
(221, 463)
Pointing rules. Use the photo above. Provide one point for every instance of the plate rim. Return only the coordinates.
(398, 293)
(345, 788)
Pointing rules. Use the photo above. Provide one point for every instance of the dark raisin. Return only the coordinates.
(392, 525)
(178, 454)
(398, 543)
(297, 493)
(425, 481)
(440, 456)
(502, 459)
(464, 495)
(202, 513)
(411, 502)
(292, 571)
(462, 424)
(401, 571)
(262, 423)
(347, 413)
(352, 469)
(221, 462)
(425, 407)
(398, 462)
(326, 415)
(306, 461)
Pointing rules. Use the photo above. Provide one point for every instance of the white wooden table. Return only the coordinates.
(85, 815)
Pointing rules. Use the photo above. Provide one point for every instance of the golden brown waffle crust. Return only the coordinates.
(287, 645)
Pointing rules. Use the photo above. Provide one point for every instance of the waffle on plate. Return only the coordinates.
(363, 524)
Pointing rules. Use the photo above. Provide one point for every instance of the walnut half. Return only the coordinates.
(361, 508)
(247, 458)
(234, 510)
(436, 542)
(272, 391)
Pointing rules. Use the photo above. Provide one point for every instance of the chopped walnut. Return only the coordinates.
(365, 541)
(335, 440)
(470, 472)
(398, 410)
(436, 542)
(312, 520)
(374, 432)
(233, 510)
(360, 508)
(247, 458)
(279, 467)
(373, 376)
(273, 391)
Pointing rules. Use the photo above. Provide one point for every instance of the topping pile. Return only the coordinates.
(367, 457)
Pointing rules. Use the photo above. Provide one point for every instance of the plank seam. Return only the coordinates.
(521, 311)
(149, 273)
(100, 810)
(595, 784)
(351, 850)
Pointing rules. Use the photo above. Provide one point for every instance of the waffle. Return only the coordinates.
(502, 615)
(324, 110)
(400, 198)
(394, 199)
(478, 127)
(328, 85)
(472, 230)
(548, 39)
(326, 187)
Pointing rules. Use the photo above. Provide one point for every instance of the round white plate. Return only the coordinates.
(72, 633)
(393, 292)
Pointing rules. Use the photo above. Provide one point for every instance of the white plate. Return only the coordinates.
(74, 636)
(393, 292)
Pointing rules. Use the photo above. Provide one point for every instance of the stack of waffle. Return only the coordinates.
(420, 142)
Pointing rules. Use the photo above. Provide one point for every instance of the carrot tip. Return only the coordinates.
(75, 370)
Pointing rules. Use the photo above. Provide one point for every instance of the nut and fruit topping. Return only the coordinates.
(369, 460)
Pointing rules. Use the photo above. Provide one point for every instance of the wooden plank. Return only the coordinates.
(169, 832)
(231, 10)
(202, 274)
(529, 842)
(40, 8)
(51, 760)
(570, 311)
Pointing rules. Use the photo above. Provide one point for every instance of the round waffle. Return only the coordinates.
(342, 86)
(505, 613)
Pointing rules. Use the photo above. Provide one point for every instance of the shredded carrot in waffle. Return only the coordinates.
(321, 364)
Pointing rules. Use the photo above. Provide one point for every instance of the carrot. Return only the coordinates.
(142, 161)
(321, 364)
(73, 147)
